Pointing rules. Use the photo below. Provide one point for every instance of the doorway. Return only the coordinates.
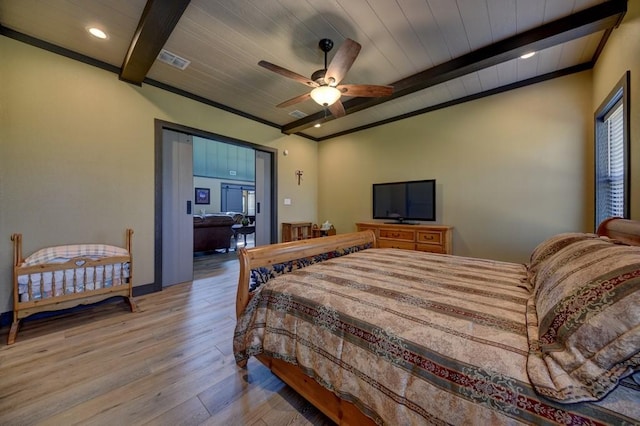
(169, 244)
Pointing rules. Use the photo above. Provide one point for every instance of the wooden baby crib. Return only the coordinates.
(62, 277)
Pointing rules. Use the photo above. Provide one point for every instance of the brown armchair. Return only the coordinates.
(212, 232)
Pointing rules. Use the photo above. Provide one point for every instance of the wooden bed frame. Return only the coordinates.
(338, 410)
(22, 310)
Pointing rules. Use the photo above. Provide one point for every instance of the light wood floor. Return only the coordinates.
(169, 364)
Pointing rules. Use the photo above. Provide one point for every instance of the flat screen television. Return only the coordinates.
(405, 201)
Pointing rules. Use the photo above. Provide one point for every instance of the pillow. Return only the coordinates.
(583, 320)
(58, 254)
(548, 248)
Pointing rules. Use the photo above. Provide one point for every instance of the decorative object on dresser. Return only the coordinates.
(431, 238)
(62, 277)
(389, 336)
(294, 231)
(324, 230)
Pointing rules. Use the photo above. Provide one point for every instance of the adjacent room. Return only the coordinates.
(181, 182)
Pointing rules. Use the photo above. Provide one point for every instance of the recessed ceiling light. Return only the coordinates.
(97, 32)
(317, 125)
(528, 55)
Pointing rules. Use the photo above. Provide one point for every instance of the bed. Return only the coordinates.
(61, 277)
(389, 336)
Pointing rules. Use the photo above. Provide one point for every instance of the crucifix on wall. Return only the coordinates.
(299, 175)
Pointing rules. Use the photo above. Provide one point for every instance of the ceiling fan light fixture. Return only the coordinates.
(325, 95)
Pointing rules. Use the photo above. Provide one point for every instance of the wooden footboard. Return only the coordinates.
(338, 410)
(268, 256)
(108, 275)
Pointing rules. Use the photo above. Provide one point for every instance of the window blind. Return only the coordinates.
(611, 173)
(615, 127)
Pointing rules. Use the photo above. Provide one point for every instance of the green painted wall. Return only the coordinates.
(77, 156)
(511, 169)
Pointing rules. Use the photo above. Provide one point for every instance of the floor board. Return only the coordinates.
(169, 364)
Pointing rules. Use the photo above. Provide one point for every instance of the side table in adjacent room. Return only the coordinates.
(243, 230)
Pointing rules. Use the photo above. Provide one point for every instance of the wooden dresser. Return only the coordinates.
(432, 238)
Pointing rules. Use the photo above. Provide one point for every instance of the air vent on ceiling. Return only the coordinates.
(173, 59)
(298, 114)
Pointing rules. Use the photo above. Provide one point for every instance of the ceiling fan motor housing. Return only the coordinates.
(318, 77)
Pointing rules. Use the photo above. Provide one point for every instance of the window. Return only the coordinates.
(612, 154)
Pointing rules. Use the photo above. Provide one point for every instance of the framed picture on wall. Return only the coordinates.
(202, 196)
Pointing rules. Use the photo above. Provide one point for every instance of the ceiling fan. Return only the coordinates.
(327, 89)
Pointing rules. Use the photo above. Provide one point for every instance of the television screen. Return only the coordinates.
(415, 200)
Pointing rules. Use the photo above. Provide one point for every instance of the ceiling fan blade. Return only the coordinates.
(289, 74)
(342, 61)
(365, 90)
(295, 100)
(337, 109)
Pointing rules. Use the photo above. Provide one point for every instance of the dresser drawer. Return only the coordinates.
(365, 228)
(398, 234)
(429, 237)
(396, 244)
(431, 248)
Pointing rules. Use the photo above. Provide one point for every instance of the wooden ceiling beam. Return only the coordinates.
(601, 17)
(158, 20)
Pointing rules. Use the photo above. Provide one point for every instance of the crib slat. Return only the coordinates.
(30, 288)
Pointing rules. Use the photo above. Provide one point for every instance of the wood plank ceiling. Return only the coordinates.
(434, 52)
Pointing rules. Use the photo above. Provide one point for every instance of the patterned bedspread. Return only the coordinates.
(415, 338)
